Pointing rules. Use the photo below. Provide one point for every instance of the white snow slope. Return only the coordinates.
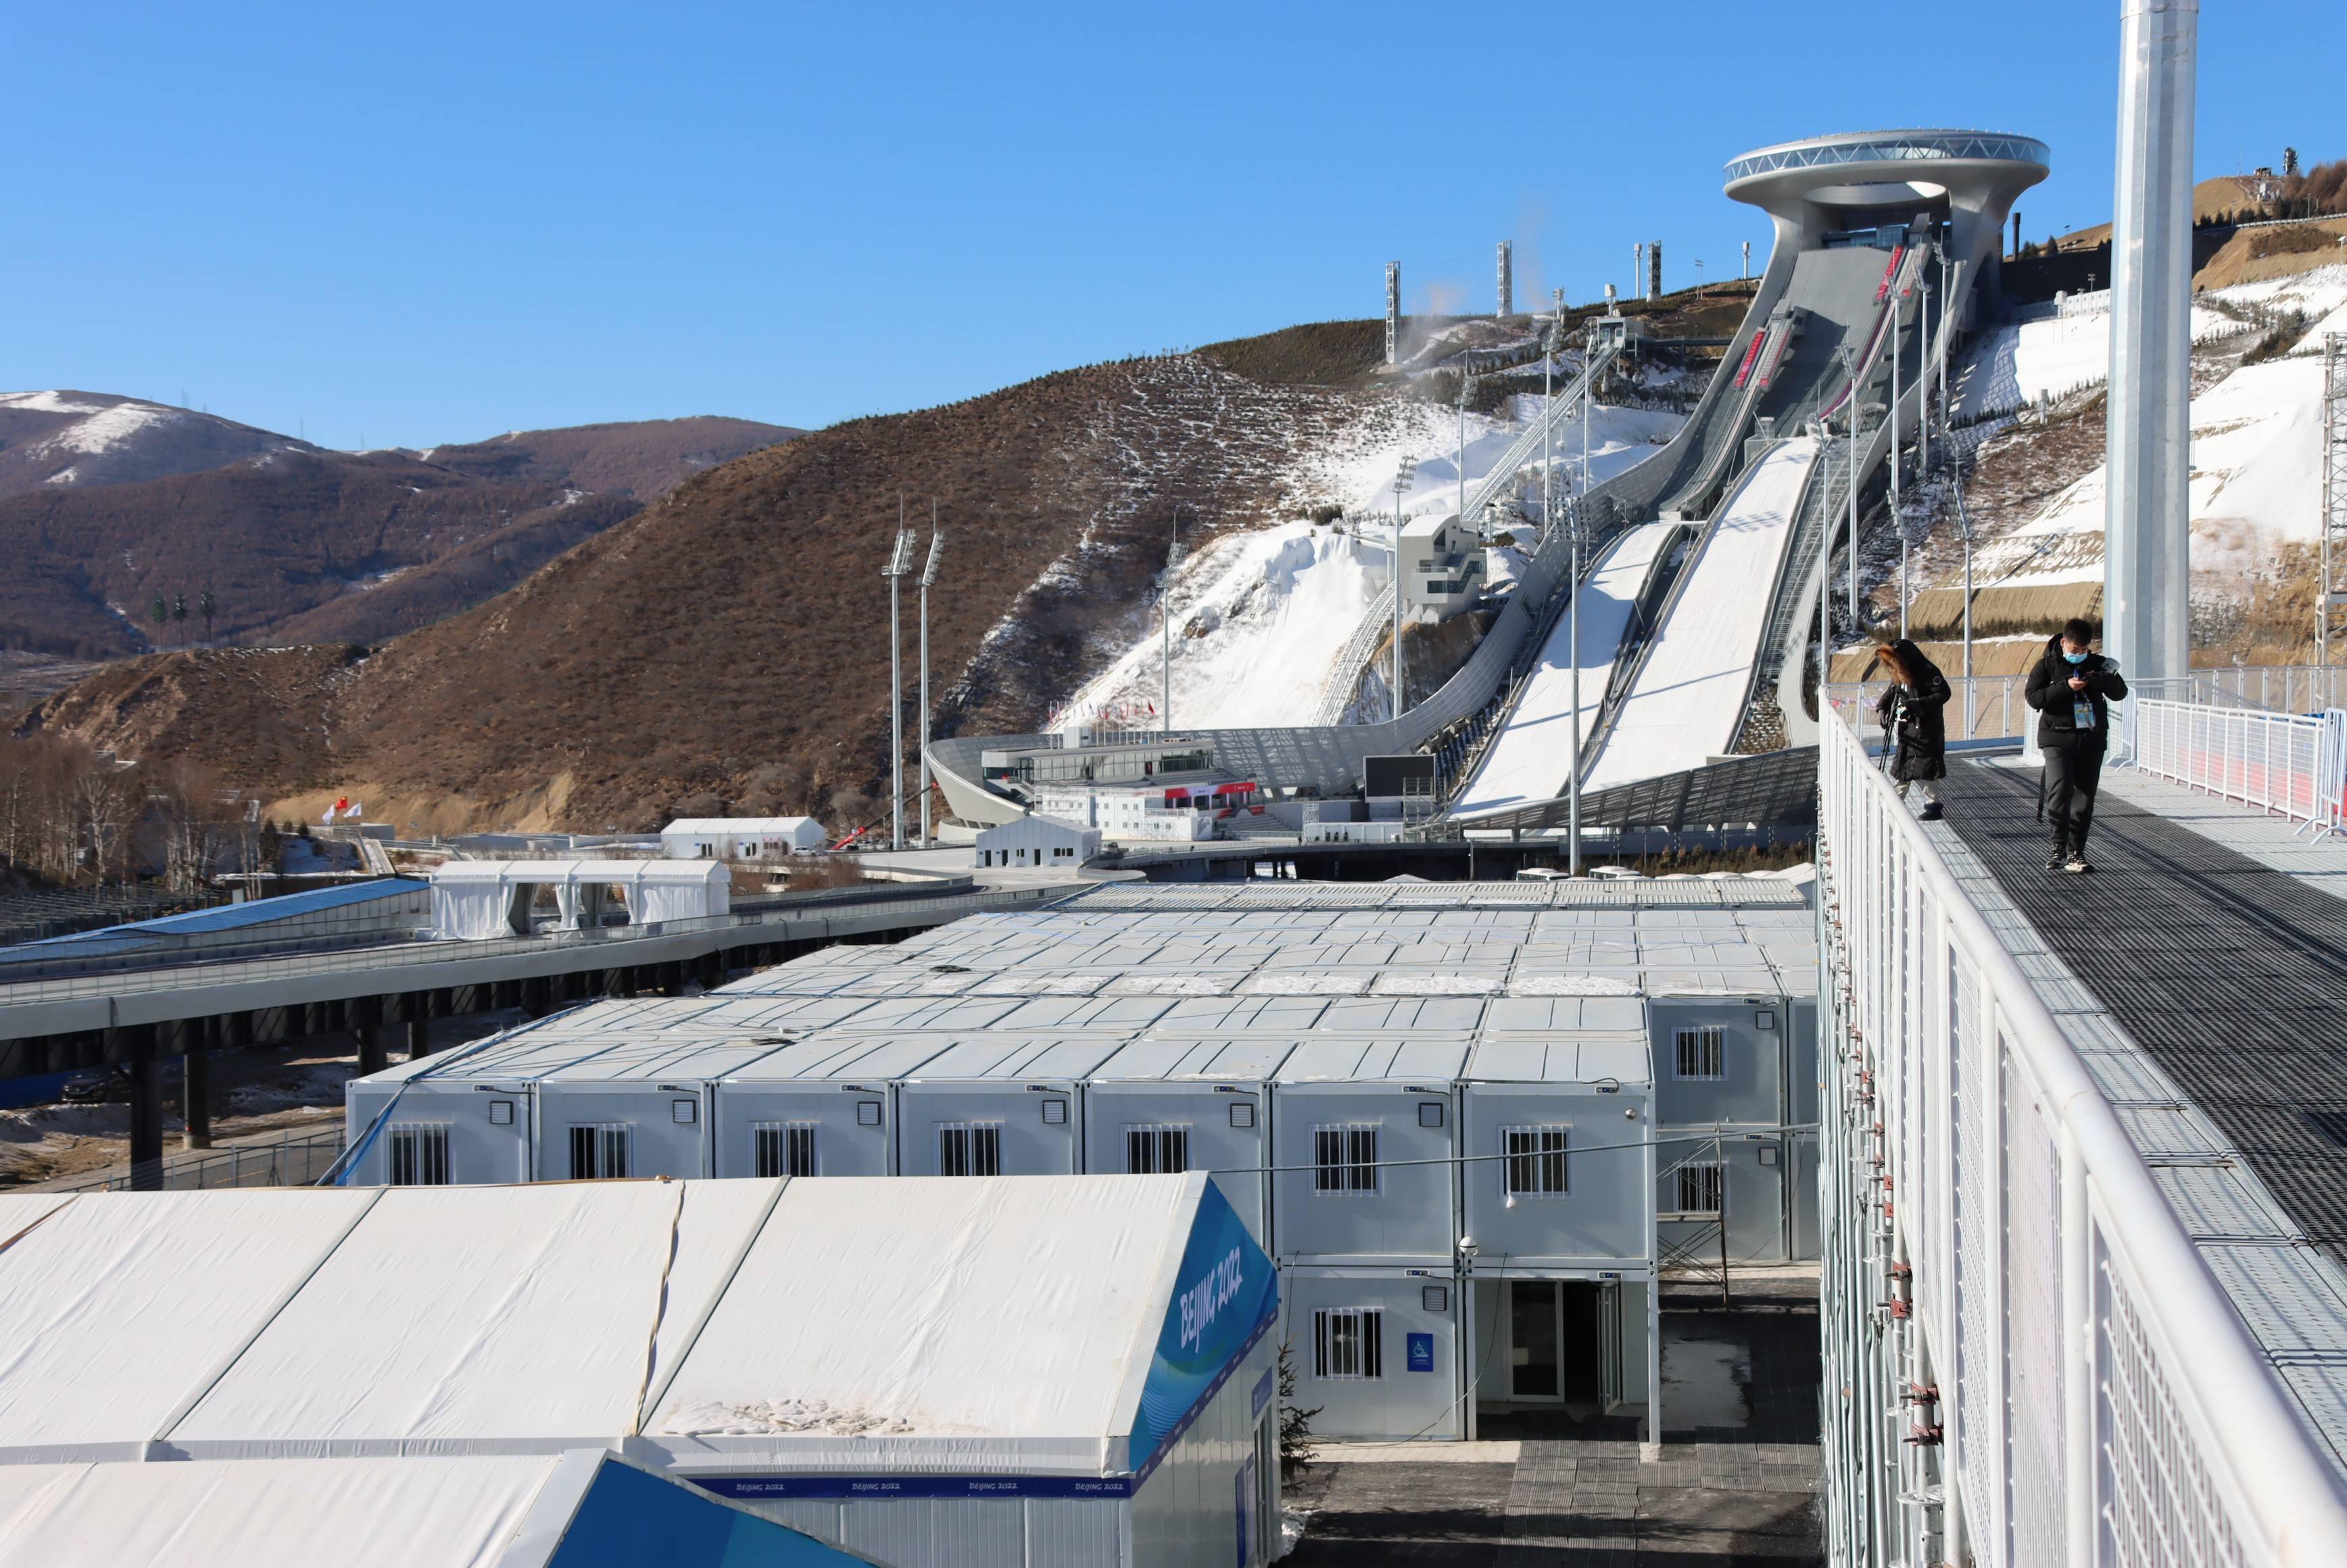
(1683, 709)
(1532, 759)
(2017, 364)
(2256, 468)
(1259, 617)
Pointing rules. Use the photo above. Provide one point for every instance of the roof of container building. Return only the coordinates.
(846, 1059)
(1012, 1058)
(1170, 1061)
(262, 1324)
(1411, 1060)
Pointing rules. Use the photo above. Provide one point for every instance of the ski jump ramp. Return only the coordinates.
(1532, 759)
(1689, 691)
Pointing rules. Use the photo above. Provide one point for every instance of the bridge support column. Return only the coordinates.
(419, 1039)
(196, 1093)
(375, 1052)
(146, 1123)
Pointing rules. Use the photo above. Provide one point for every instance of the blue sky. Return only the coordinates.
(425, 222)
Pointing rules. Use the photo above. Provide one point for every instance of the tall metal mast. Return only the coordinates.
(901, 565)
(2330, 604)
(928, 576)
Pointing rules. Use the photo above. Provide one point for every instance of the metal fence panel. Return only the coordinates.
(2081, 1391)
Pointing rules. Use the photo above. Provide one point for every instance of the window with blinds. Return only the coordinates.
(598, 1152)
(1348, 1343)
(1345, 1158)
(784, 1148)
(1156, 1151)
(419, 1155)
(970, 1149)
(1535, 1161)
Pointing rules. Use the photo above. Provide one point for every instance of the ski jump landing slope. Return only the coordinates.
(1683, 708)
(1532, 758)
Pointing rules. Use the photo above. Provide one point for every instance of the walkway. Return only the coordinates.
(1718, 1497)
(2228, 971)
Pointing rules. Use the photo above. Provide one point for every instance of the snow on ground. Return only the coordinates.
(1689, 696)
(103, 429)
(2256, 439)
(47, 402)
(1259, 617)
(2017, 364)
(1532, 759)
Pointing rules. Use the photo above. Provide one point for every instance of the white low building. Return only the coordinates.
(473, 900)
(1008, 1373)
(742, 837)
(1038, 842)
(1442, 565)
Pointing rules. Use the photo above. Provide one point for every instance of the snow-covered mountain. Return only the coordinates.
(77, 439)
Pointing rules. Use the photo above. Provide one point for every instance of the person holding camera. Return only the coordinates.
(2072, 687)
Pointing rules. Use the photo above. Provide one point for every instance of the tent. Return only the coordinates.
(584, 1509)
(742, 837)
(475, 899)
(1034, 1366)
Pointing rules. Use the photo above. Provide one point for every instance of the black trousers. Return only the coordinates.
(2073, 773)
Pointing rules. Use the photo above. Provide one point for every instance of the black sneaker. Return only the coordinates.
(1931, 812)
(2076, 863)
(2059, 862)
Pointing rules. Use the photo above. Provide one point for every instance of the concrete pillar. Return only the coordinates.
(196, 1098)
(374, 1050)
(146, 1123)
(2148, 542)
(419, 1039)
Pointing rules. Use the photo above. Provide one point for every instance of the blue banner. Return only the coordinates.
(1226, 1294)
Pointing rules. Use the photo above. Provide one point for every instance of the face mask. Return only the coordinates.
(2073, 658)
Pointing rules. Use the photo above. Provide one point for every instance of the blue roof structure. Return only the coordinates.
(241, 917)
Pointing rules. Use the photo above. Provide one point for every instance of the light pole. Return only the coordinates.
(1466, 385)
(1897, 520)
(1165, 621)
(1849, 366)
(901, 565)
(1402, 479)
(928, 576)
(1965, 529)
(1573, 642)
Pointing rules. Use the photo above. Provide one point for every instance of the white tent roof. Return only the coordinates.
(274, 1513)
(626, 873)
(754, 825)
(1004, 1323)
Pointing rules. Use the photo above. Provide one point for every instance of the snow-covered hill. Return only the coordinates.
(2255, 438)
(1259, 617)
(76, 439)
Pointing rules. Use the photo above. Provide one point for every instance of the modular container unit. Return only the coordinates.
(470, 1124)
(997, 1105)
(640, 1107)
(1555, 1118)
(1724, 1064)
(1160, 1105)
(820, 1109)
(1376, 1350)
(1351, 1121)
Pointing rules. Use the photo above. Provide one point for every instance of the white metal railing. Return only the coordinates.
(1345, 676)
(2277, 688)
(2288, 764)
(2026, 1361)
(1981, 707)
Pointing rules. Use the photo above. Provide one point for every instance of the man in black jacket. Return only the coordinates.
(2071, 688)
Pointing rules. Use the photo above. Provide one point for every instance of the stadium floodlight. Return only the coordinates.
(928, 577)
(1406, 476)
(1165, 625)
(899, 567)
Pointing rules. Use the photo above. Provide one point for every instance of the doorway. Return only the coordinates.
(1555, 1353)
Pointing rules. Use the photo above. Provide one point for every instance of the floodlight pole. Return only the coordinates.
(928, 576)
(1898, 519)
(900, 562)
(1573, 647)
(1964, 527)
(1401, 483)
(1165, 622)
(1857, 411)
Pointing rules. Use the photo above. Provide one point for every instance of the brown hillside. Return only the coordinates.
(644, 458)
(729, 646)
(733, 640)
(253, 716)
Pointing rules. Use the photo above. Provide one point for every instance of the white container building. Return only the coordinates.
(999, 1104)
(1174, 1104)
(1350, 1119)
(1036, 842)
